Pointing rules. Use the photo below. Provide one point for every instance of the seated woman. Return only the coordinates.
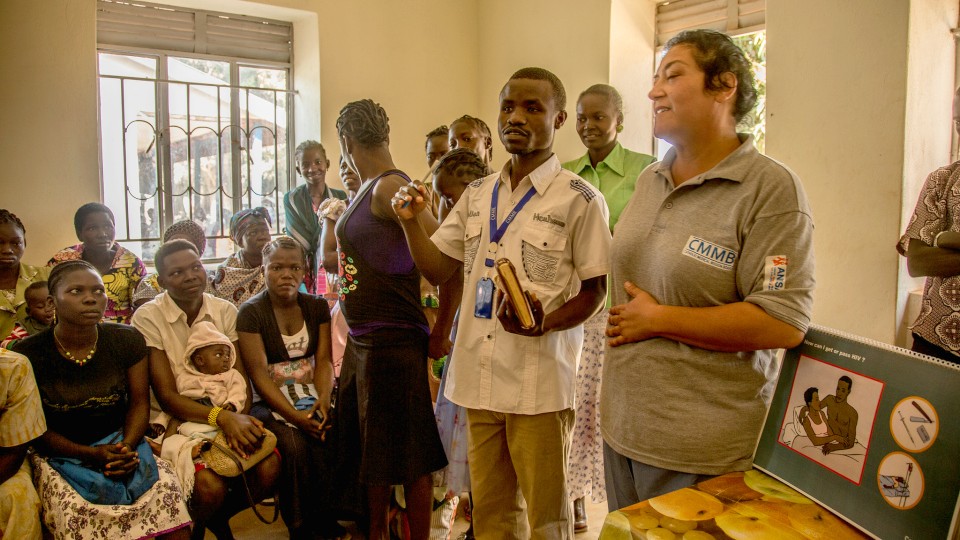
(15, 276)
(98, 477)
(188, 230)
(121, 269)
(241, 275)
(21, 421)
(285, 345)
(166, 323)
(815, 420)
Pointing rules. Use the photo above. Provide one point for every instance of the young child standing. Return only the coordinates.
(39, 314)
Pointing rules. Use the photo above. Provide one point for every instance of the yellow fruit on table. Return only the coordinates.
(644, 520)
(660, 534)
(819, 524)
(616, 527)
(677, 525)
(697, 535)
(776, 510)
(687, 505)
(729, 487)
(741, 527)
(768, 485)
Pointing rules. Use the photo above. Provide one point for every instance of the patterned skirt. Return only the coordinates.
(452, 425)
(68, 515)
(585, 466)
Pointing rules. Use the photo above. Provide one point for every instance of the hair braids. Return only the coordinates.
(365, 122)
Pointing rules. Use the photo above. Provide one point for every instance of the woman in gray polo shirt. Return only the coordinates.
(712, 272)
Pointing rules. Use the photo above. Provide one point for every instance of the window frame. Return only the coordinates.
(237, 123)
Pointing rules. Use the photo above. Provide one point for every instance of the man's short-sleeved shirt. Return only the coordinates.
(937, 210)
(164, 325)
(21, 413)
(560, 238)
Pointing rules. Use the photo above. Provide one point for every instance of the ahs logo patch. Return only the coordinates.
(775, 273)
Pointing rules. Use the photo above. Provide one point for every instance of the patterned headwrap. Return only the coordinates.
(190, 230)
(244, 218)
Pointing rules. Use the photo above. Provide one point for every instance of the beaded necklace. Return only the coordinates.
(69, 355)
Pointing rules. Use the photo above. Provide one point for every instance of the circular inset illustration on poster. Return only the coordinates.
(914, 424)
(900, 480)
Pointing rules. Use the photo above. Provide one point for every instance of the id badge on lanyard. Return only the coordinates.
(483, 308)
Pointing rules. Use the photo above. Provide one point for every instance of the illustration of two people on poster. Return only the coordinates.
(830, 417)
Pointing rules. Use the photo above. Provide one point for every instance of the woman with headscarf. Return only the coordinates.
(241, 275)
(120, 268)
(187, 230)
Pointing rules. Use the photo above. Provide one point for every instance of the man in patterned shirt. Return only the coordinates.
(21, 421)
(931, 245)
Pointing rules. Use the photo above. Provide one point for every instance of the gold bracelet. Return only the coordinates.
(212, 417)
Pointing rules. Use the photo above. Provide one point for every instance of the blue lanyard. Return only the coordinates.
(496, 233)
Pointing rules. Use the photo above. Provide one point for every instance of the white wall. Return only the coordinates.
(571, 38)
(48, 111)
(836, 93)
(632, 37)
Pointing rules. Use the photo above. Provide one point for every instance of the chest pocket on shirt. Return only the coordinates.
(542, 252)
(471, 243)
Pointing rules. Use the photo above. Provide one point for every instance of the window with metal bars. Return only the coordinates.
(196, 116)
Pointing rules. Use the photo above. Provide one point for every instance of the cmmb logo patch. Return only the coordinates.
(775, 273)
(707, 252)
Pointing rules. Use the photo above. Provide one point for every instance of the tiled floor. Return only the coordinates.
(246, 526)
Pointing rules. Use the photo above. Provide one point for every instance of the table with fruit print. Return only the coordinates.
(739, 506)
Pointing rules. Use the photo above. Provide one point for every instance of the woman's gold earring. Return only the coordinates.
(619, 128)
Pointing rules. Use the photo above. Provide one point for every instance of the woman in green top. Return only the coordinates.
(15, 276)
(613, 170)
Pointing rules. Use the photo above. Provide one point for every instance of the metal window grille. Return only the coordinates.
(196, 116)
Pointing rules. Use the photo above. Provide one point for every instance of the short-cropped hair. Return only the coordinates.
(169, 248)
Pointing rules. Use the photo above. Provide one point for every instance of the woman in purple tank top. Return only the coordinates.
(387, 430)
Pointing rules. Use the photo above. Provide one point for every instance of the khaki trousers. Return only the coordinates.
(518, 467)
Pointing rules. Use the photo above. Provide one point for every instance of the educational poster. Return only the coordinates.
(864, 429)
(830, 416)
